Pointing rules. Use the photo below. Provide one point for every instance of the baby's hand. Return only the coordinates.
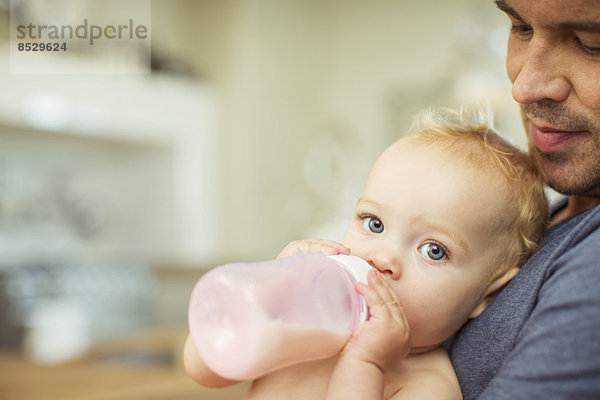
(327, 247)
(384, 339)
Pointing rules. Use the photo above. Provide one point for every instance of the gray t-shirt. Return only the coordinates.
(540, 337)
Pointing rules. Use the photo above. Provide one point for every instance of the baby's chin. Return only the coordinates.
(415, 350)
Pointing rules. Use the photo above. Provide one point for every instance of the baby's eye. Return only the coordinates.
(434, 251)
(372, 224)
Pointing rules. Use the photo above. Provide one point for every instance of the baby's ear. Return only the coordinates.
(492, 290)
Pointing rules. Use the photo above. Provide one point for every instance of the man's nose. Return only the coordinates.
(541, 73)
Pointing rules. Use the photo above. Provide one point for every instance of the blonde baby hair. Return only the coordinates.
(468, 132)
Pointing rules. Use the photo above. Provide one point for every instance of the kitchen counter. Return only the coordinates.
(107, 373)
(21, 380)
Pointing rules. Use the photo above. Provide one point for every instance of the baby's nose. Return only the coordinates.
(386, 265)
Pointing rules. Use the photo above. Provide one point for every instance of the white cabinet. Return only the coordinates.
(107, 165)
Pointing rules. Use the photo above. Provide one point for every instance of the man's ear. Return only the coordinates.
(492, 290)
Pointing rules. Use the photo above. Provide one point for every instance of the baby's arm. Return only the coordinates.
(378, 344)
(198, 371)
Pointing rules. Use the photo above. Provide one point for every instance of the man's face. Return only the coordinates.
(553, 62)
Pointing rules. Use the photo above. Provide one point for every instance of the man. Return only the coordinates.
(540, 338)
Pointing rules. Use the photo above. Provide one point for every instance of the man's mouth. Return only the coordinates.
(549, 139)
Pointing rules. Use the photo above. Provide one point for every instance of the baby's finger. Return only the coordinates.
(388, 297)
(327, 247)
(371, 297)
(370, 292)
(393, 303)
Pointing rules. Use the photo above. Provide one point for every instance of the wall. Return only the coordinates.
(311, 91)
(305, 94)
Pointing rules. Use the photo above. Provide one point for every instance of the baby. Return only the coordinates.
(448, 215)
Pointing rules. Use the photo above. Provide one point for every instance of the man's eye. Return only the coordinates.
(372, 224)
(433, 251)
(521, 29)
(592, 50)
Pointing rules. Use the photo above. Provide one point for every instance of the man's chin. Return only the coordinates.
(567, 181)
(566, 172)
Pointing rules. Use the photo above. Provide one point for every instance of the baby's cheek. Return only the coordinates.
(427, 322)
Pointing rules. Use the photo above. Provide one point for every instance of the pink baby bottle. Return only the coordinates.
(248, 319)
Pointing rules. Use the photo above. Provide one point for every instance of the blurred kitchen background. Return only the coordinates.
(257, 126)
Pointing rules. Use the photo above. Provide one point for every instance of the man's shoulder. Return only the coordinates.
(568, 249)
(573, 273)
(558, 284)
(568, 255)
(578, 225)
(569, 237)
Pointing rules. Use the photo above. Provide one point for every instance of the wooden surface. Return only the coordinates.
(93, 378)
(20, 380)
